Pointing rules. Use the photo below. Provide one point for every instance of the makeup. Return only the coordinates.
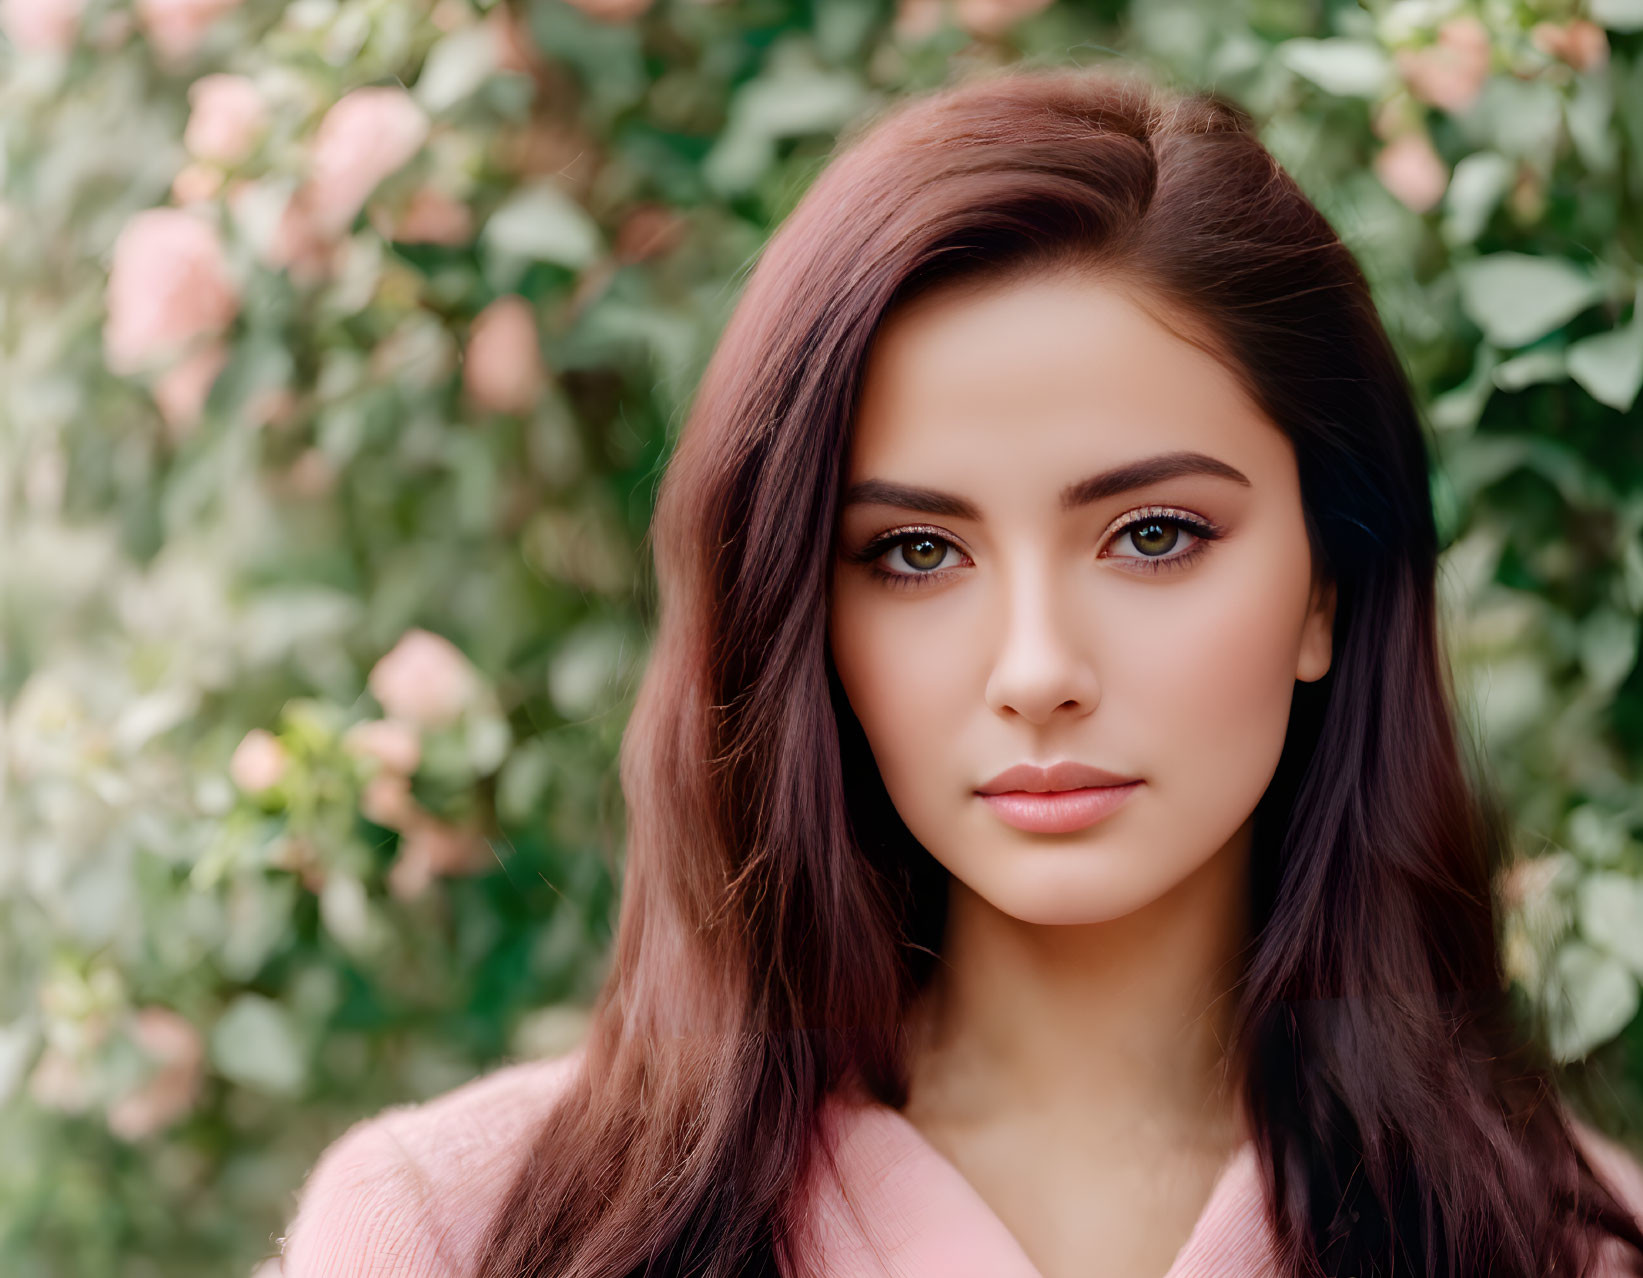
(1059, 811)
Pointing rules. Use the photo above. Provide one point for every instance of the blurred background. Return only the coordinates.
(343, 343)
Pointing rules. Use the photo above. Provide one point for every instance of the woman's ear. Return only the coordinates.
(1317, 635)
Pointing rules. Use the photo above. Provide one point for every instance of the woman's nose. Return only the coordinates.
(1042, 659)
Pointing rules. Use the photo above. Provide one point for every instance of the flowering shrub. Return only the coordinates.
(343, 344)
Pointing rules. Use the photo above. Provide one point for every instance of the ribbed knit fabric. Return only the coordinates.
(409, 1193)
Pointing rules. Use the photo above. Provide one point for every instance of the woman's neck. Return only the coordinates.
(1114, 1029)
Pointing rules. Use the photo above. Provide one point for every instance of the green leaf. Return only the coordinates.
(1544, 364)
(1610, 906)
(1518, 297)
(1617, 15)
(545, 223)
(1599, 836)
(1609, 366)
(255, 1044)
(1476, 187)
(1591, 996)
(1459, 407)
(455, 67)
(1608, 649)
(1348, 68)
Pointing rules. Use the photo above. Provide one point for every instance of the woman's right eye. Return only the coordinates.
(924, 554)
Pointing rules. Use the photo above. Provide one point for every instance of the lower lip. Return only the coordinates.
(1059, 811)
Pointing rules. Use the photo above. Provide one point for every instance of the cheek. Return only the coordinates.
(1214, 694)
(901, 671)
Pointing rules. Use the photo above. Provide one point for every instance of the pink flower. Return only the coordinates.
(195, 184)
(226, 117)
(502, 368)
(395, 746)
(612, 11)
(995, 17)
(918, 19)
(174, 1043)
(311, 475)
(515, 49)
(1449, 74)
(651, 230)
(1583, 45)
(386, 799)
(60, 1081)
(1528, 879)
(431, 847)
(41, 26)
(176, 27)
(259, 761)
(1414, 172)
(432, 217)
(181, 391)
(425, 680)
(366, 136)
(299, 244)
(167, 287)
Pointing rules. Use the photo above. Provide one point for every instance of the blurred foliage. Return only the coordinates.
(325, 490)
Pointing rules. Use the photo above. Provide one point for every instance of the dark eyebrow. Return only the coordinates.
(1108, 483)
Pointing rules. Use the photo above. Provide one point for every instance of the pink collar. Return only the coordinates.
(900, 1209)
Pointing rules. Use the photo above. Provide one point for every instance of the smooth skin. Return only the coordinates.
(1069, 1051)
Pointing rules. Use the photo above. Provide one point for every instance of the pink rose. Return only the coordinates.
(176, 27)
(1449, 74)
(431, 847)
(226, 117)
(995, 17)
(298, 244)
(311, 475)
(174, 1043)
(1410, 169)
(502, 367)
(168, 286)
(386, 799)
(181, 391)
(1528, 879)
(60, 1081)
(918, 19)
(259, 761)
(41, 26)
(432, 217)
(366, 136)
(1583, 45)
(515, 49)
(395, 746)
(651, 230)
(195, 184)
(612, 11)
(425, 680)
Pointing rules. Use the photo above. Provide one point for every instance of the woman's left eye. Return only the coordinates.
(1157, 536)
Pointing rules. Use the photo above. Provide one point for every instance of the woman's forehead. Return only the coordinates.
(1057, 353)
(1055, 377)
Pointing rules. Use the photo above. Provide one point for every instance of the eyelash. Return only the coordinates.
(1204, 530)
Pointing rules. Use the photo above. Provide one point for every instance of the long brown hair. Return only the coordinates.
(777, 918)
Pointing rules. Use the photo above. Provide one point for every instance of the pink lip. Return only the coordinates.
(1069, 774)
(1058, 811)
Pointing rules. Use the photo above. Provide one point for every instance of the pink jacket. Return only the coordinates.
(408, 1193)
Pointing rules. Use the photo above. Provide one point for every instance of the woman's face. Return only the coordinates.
(1003, 594)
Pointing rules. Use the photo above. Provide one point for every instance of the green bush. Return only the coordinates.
(325, 490)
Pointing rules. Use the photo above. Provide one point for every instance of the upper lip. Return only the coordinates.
(1067, 775)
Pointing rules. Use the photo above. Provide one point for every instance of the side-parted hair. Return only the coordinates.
(777, 918)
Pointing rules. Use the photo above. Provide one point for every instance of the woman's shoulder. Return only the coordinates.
(409, 1192)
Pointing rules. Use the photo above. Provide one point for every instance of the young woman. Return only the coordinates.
(1051, 851)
